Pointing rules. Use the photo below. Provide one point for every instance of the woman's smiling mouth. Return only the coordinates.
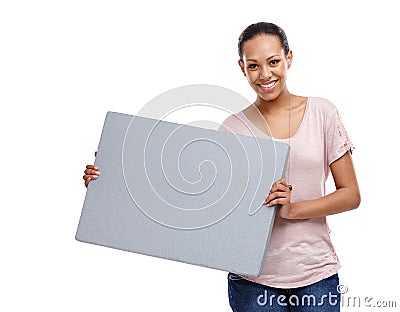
(267, 87)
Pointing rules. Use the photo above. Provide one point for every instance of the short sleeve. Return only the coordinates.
(338, 141)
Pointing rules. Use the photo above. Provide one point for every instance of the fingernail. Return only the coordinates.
(94, 177)
(97, 172)
(96, 168)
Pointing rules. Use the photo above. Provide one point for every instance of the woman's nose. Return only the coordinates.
(265, 73)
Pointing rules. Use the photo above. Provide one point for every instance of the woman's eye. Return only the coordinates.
(252, 66)
(274, 62)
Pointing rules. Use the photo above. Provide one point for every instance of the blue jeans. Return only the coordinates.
(247, 296)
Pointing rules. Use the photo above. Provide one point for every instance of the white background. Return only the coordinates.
(64, 64)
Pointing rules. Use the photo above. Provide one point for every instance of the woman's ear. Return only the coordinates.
(241, 64)
(289, 58)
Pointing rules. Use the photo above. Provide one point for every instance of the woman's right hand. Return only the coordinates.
(91, 173)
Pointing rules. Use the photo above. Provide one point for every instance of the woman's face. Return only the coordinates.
(265, 65)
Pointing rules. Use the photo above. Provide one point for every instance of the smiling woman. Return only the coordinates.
(300, 259)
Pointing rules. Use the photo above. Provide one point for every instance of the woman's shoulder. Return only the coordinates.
(233, 121)
(322, 105)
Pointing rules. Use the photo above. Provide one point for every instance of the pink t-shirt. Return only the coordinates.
(300, 252)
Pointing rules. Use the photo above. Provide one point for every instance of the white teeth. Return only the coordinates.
(269, 85)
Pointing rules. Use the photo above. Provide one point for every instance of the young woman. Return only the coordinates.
(300, 267)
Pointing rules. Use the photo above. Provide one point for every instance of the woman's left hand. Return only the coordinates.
(280, 195)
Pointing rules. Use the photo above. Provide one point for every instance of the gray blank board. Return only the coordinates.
(182, 193)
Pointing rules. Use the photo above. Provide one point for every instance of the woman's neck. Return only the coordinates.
(274, 106)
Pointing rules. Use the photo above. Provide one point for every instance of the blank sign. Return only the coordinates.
(182, 193)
